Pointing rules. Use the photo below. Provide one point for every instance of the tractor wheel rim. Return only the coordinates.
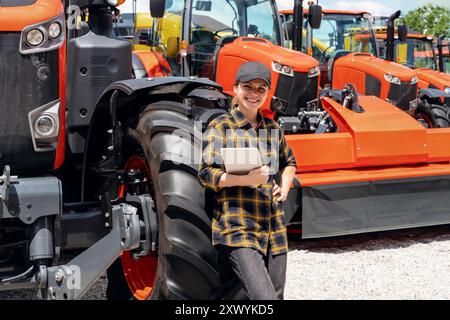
(140, 273)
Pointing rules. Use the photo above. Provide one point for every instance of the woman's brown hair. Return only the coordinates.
(235, 100)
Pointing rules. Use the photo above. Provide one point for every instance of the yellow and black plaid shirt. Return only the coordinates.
(246, 216)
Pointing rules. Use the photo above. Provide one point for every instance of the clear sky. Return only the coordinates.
(376, 7)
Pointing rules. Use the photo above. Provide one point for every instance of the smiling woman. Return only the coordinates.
(249, 227)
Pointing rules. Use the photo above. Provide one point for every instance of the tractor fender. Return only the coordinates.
(432, 93)
(123, 101)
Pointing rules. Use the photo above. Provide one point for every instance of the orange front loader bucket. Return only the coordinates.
(381, 171)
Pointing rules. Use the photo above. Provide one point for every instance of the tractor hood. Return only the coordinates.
(266, 52)
(434, 78)
(15, 15)
(376, 67)
(295, 76)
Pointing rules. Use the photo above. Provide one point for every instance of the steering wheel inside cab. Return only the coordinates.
(328, 53)
(217, 34)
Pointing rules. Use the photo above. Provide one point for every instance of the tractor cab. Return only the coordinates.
(443, 53)
(420, 52)
(339, 33)
(414, 51)
(212, 21)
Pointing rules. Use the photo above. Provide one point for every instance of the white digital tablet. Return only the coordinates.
(240, 160)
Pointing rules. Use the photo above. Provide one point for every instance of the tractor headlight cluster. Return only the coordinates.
(392, 79)
(54, 31)
(44, 126)
(282, 68)
(447, 90)
(414, 80)
(314, 72)
(35, 37)
(44, 36)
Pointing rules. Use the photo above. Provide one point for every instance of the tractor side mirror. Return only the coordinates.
(157, 8)
(402, 31)
(288, 27)
(203, 5)
(315, 16)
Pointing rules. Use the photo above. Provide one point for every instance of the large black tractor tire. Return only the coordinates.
(441, 115)
(188, 267)
(433, 115)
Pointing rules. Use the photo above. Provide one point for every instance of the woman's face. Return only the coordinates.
(251, 95)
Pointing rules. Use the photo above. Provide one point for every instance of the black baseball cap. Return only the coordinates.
(253, 70)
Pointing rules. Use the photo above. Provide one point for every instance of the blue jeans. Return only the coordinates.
(262, 276)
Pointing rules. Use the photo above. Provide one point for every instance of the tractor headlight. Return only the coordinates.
(282, 68)
(414, 80)
(54, 31)
(42, 36)
(392, 79)
(447, 90)
(44, 126)
(314, 72)
(35, 37)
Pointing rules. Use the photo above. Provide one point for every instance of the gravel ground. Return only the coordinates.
(405, 264)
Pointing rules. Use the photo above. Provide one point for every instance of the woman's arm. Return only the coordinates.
(288, 167)
(211, 172)
(211, 168)
(254, 177)
(287, 177)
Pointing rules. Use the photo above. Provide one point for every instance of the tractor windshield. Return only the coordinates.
(416, 53)
(214, 19)
(347, 32)
(445, 56)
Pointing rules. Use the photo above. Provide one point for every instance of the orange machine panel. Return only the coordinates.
(438, 79)
(373, 174)
(16, 18)
(367, 63)
(154, 63)
(343, 75)
(381, 136)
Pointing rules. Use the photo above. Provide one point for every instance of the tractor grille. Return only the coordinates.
(297, 90)
(447, 102)
(403, 94)
(26, 82)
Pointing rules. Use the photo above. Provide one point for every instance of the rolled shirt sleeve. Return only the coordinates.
(211, 164)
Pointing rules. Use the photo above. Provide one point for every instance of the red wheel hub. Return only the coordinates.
(140, 273)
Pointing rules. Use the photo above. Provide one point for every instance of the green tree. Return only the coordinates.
(429, 19)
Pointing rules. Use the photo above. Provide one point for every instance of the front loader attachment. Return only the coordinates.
(382, 170)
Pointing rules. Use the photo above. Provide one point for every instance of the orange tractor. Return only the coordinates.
(348, 51)
(103, 164)
(417, 51)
